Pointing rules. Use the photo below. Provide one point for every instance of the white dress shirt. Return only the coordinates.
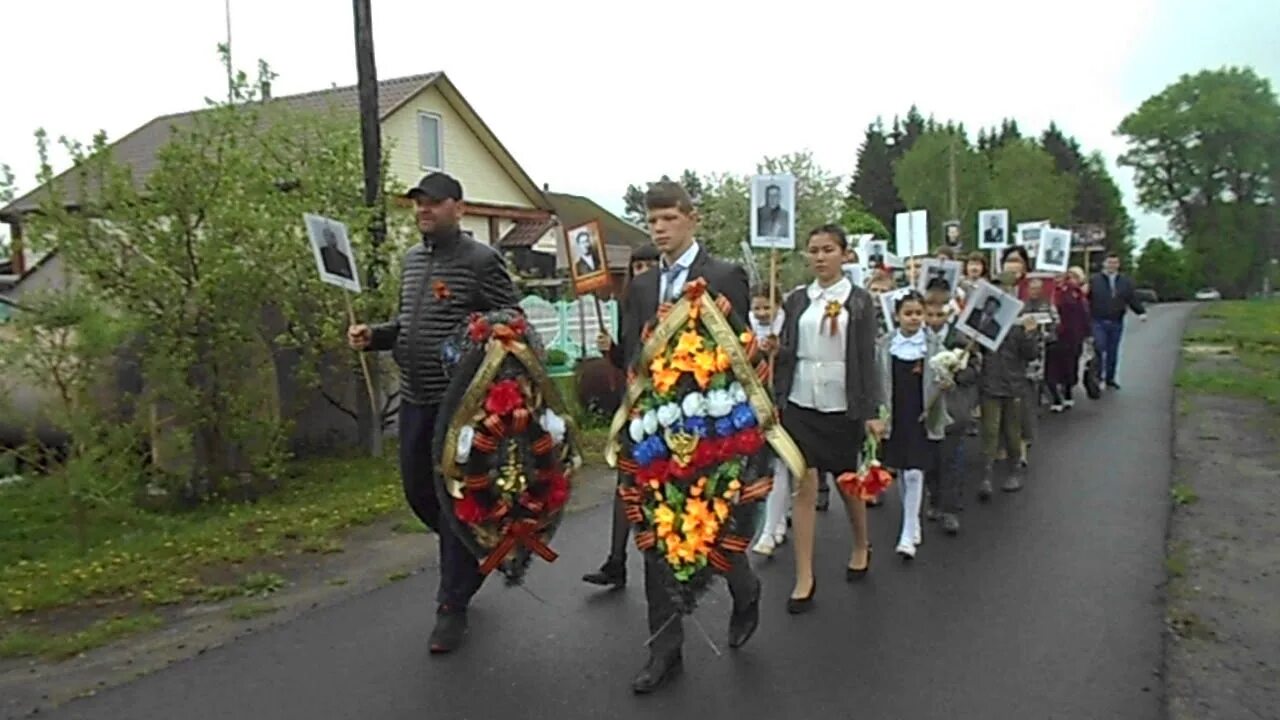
(681, 272)
(819, 379)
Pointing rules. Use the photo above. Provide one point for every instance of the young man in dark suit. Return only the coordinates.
(672, 223)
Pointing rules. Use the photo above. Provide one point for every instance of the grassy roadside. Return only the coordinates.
(55, 600)
(1221, 643)
(1237, 354)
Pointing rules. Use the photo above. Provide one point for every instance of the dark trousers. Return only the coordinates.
(658, 583)
(618, 534)
(459, 571)
(1106, 343)
(1062, 369)
(946, 483)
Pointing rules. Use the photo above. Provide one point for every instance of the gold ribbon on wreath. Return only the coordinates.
(495, 351)
(722, 332)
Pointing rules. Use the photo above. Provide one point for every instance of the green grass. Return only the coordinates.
(63, 645)
(1252, 329)
(156, 558)
(251, 610)
(1182, 494)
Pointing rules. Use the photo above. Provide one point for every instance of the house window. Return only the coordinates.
(430, 141)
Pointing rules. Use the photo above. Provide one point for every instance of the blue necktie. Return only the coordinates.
(673, 292)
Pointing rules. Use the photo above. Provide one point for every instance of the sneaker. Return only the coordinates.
(765, 545)
(931, 512)
(950, 523)
(451, 626)
(1068, 403)
(1057, 408)
(1013, 483)
(984, 487)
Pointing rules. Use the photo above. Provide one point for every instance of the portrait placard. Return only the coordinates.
(773, 212)
(588, 264)
(331, 246)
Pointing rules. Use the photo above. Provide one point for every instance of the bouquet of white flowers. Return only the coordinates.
(947, 363)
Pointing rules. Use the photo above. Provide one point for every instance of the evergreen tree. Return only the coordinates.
(1065, 150)
(872, 186)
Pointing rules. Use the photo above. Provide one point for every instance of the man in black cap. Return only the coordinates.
(444, 279)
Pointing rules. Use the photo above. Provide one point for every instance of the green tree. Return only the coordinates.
(872, 186)
(1163, 268)
(1025, 180)
(1204, 151)
(1099, 202)
(726, 202)
(857, 221)
(208, 261)
(6, 197)
(924, 179)
(633, 198)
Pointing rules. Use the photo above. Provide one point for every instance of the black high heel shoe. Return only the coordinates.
(855, 574)
(796, 606)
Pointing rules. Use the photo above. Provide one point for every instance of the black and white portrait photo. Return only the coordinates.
(993, 229)
(332, 248)
(875, 253)
(988, 315)
(1029, 234)
(938, 273)
(773, 218)
(588, 265)
(1055, 251)
(951, 234)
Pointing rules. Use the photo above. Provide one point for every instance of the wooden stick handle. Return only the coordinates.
(374, 414)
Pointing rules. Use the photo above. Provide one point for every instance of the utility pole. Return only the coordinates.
(371, 146)
(231, 86)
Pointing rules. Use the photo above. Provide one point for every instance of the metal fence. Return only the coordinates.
(570, 326)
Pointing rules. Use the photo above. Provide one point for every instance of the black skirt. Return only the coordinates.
(908, 446)
(830, 442)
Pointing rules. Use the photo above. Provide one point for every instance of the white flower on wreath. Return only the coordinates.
(650, 420)
(719, 403)
(636, 430)
(737, 393)
(465, 437)
(668, 415)
(554, 425)
(694, 405)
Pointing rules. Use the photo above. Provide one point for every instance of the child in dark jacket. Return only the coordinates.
(945, 484)
(1002, 385)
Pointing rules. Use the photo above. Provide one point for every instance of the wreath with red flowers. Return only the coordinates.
(509, 450)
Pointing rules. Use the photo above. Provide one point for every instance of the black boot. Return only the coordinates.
(656, 673)
(611, 574)
(451, 626)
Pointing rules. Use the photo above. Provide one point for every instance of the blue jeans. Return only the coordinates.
(1106, 344)
(459, 572)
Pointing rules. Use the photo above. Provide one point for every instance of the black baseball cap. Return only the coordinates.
(436, 186)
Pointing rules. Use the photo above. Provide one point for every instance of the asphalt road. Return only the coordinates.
(1048, 605)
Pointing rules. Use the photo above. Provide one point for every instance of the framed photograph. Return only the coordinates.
(1054, 253)
(888, 301)
(951, 234)
(911, 233)
(993, 229)
(773, 212)
(588, 265)
(989, 314)
(1029, 234)
(853, 271)
(874, 254)
(332, 247)
(933, 269)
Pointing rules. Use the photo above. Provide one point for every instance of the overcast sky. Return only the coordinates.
(591, 96)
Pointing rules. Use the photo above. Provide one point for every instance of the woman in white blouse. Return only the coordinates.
(828, 387)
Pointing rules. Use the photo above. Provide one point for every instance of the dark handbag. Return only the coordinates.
(1092, 386)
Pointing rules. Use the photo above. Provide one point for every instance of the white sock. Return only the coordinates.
(779, 500)
(912, 489)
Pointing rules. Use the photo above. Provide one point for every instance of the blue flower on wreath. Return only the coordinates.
(743, 416)
(650, 449)
(724, 426)
(696, 426)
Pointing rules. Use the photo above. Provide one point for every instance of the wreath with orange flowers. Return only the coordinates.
(692, 443)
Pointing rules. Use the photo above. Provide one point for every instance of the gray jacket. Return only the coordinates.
(443, 281)
(940, 419)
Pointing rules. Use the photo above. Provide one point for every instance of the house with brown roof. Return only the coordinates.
(547, 249)
(426, 125)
